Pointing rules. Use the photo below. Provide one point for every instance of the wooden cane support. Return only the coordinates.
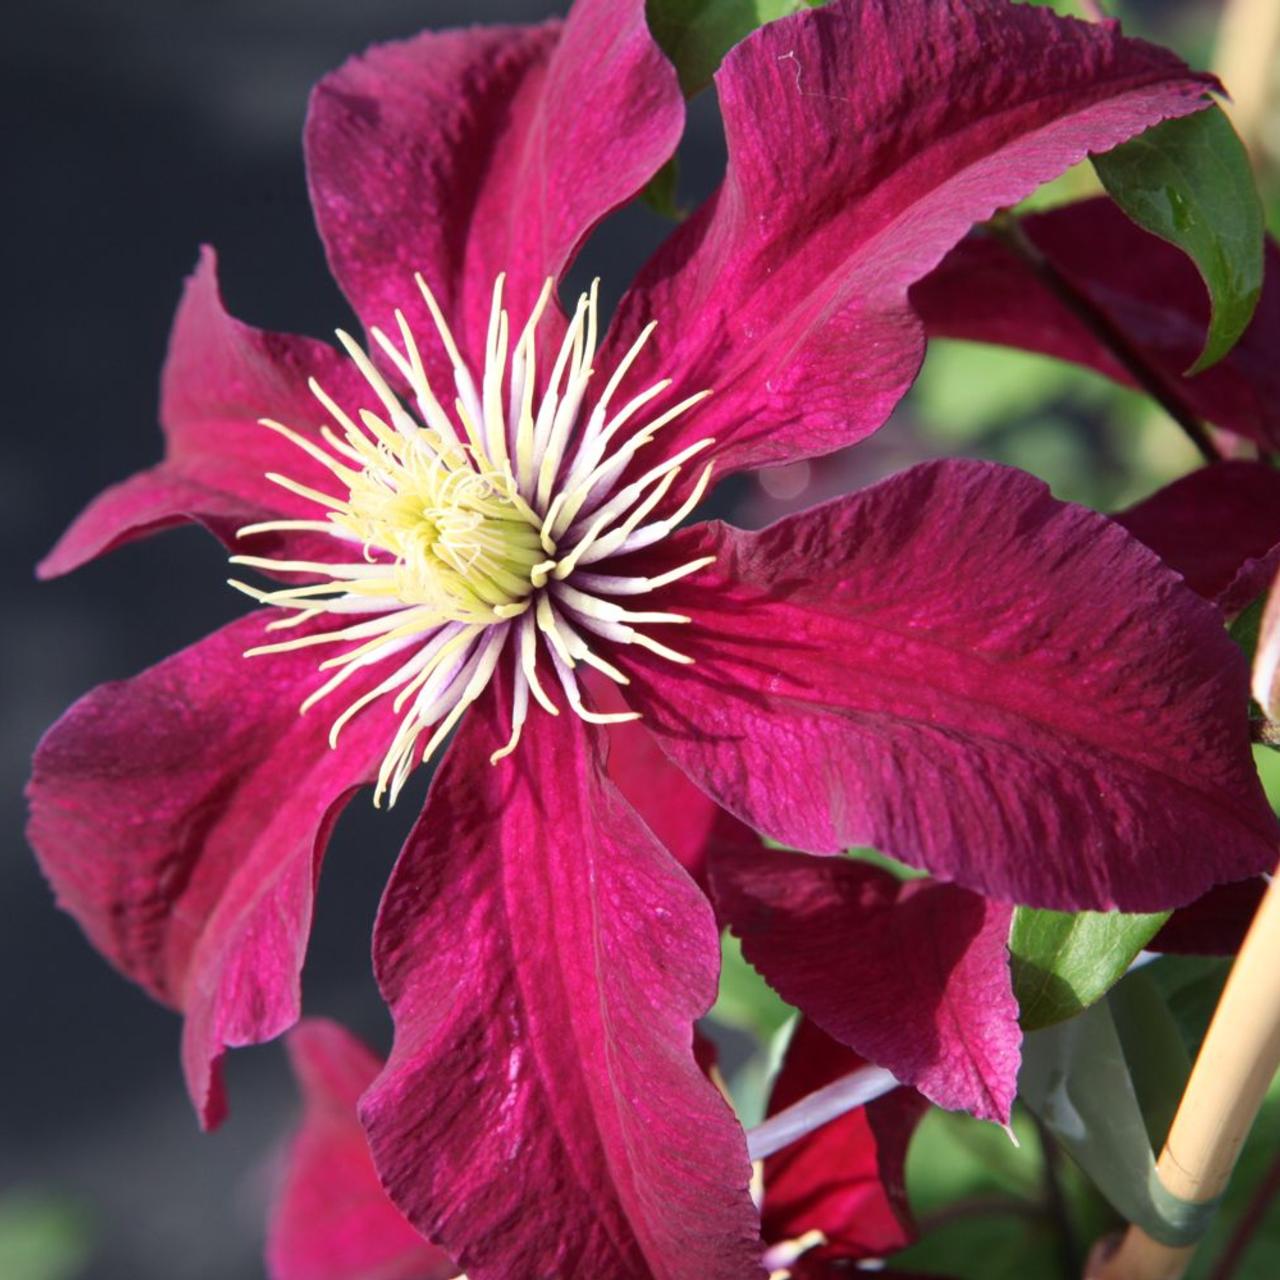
(1237, 1063)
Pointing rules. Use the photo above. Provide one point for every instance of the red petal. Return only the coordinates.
(1219, 527)
(1215, 924)
(462, 154)
(542, 1112)
(847, 1179)
(332, 1220)
(913, 977)
(959, 670)
(865, 138)
(984, 293)
(220, 378)
(181, 817)
(687, 821)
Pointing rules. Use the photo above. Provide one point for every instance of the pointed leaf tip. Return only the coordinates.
(1189, 182)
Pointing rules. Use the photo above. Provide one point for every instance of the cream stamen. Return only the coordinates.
(470, 523)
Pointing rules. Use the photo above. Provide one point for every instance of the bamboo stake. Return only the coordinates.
(1237, 1062)
(1246, 59)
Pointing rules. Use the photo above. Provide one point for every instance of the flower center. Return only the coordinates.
(459, 544)
(464, 536)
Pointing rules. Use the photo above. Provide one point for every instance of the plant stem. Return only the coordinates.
(1093, 10)
(1056, 1202)
(1154, 382)
(1250, 1221)
(994, 1206)
(818, 1108)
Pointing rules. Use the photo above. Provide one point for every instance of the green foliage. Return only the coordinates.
(1262, 1261)
(980, 1200)
(696, 34)
(42, 1237)
(745, 1000)
(1268, 762)
(882, 860)
(953, 1154)
(1189, 181)
(1190, 987)
(1246, 626)
(1094, 442)
(660, 192)
(758, 1022)
(1154, 1048)
(1063, 962)
(981, 1205)
(1076, 1079)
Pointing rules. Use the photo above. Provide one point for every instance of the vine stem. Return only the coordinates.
(820, 1107)
(1056, 1201)
(1152, 380)
(1235, 1066)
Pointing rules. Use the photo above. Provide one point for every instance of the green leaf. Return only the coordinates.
(696, 34)
(982, 1243)
(1191, 987)
(952, 1155)
(756, 1022)
(900, 870)
(660, 192)
(979, 1201)
(1063, 962)
(1189, 182)
(1159, 1063)
(1246, 626)
(1076, 1078)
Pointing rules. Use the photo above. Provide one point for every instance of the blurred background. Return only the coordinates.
(138, 130)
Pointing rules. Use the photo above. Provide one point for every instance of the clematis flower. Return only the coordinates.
(331, 1220)
(839, 1192)
(915, 976)
(836, 1193)
(482, 509)
(912, 976)
(1219, 527)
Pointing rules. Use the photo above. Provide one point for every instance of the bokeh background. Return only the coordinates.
(136, 130)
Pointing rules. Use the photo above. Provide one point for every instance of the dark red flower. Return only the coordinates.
(1006, 690)
(840, 1190)
(836, 1192)
(331, 1219)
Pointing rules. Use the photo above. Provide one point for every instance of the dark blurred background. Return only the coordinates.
(139, 129)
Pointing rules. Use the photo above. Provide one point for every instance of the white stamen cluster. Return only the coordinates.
(471, 534)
